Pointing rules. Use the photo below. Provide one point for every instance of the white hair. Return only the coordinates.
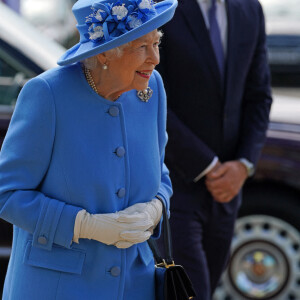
(92, 62)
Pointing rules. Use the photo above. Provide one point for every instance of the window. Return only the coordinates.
(15, 70)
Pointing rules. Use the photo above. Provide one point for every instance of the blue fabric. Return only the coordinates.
(58, 157)
(160, 280)
(215, 37)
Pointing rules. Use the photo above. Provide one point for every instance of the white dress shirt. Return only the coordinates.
(222, 22)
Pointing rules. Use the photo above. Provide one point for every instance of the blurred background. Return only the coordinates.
(265, 260)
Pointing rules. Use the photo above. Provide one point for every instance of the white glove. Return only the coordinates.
(151, 211)
(110, 230)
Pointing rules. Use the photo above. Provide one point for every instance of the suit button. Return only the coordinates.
(113, 111)
(42, 240)
(121, 193)
(120, 151)
(115, 271)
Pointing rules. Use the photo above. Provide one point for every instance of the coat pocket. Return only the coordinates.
(57, 259)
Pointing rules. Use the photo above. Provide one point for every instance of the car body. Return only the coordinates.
(24, 53)
(54, 18)
(283, 35)
(265, 252)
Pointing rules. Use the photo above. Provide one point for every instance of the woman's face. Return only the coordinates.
(133, 69)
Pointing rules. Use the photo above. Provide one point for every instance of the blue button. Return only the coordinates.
(42, 240)
(113, 111)
(121, 193)
(115, 271)
(120, 151)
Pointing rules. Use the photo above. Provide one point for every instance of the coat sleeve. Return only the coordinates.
(165, 188)
(257, 100)
(24, 160)
(191, 155)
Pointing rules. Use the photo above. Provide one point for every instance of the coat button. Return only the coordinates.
(115, 271)
(121, 193)
(42, 240)
(113, 111)
(120, 151)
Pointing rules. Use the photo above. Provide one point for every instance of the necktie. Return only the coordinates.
(215, 36)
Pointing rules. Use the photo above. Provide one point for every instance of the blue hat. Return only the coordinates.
(106, 24)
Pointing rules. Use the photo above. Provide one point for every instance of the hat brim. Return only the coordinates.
(165, 11)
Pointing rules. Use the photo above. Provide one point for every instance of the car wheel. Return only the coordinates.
(265, 261)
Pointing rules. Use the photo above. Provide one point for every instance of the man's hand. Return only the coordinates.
(225, 180)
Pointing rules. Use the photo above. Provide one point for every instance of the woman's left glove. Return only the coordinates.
(110, 230)
(151, 210)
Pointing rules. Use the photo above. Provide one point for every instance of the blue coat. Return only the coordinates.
(64, 151)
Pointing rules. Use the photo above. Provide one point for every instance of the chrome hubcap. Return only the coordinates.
(258, 270)
(265, 261)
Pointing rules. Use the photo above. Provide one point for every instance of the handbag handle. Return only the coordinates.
(167, 240)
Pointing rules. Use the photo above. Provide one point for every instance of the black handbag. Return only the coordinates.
(172, 282)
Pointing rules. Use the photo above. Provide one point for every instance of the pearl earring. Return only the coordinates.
(104, 67)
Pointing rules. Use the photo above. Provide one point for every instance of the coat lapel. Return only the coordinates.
(196, 23)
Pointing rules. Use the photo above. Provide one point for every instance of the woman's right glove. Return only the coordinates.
(111, 230)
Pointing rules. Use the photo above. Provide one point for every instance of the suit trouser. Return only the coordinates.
(202, 230)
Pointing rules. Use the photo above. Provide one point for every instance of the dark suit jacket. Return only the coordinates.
(205, 117)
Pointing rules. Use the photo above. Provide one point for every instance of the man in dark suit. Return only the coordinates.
(218, 87)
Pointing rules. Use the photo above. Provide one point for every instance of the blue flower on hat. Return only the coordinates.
(142, 12)
(143, 8)
(119, 12)
(110, 20)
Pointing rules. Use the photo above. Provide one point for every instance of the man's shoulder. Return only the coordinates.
(252, 5)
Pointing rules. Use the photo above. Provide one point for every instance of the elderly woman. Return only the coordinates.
(82, 164)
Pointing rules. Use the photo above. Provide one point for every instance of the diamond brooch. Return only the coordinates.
(145, 95)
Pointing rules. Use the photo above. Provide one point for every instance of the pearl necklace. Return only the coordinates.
(90, 79)
(144, 95)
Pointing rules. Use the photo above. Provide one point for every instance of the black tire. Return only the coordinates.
(272, 199)
(268, 227)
